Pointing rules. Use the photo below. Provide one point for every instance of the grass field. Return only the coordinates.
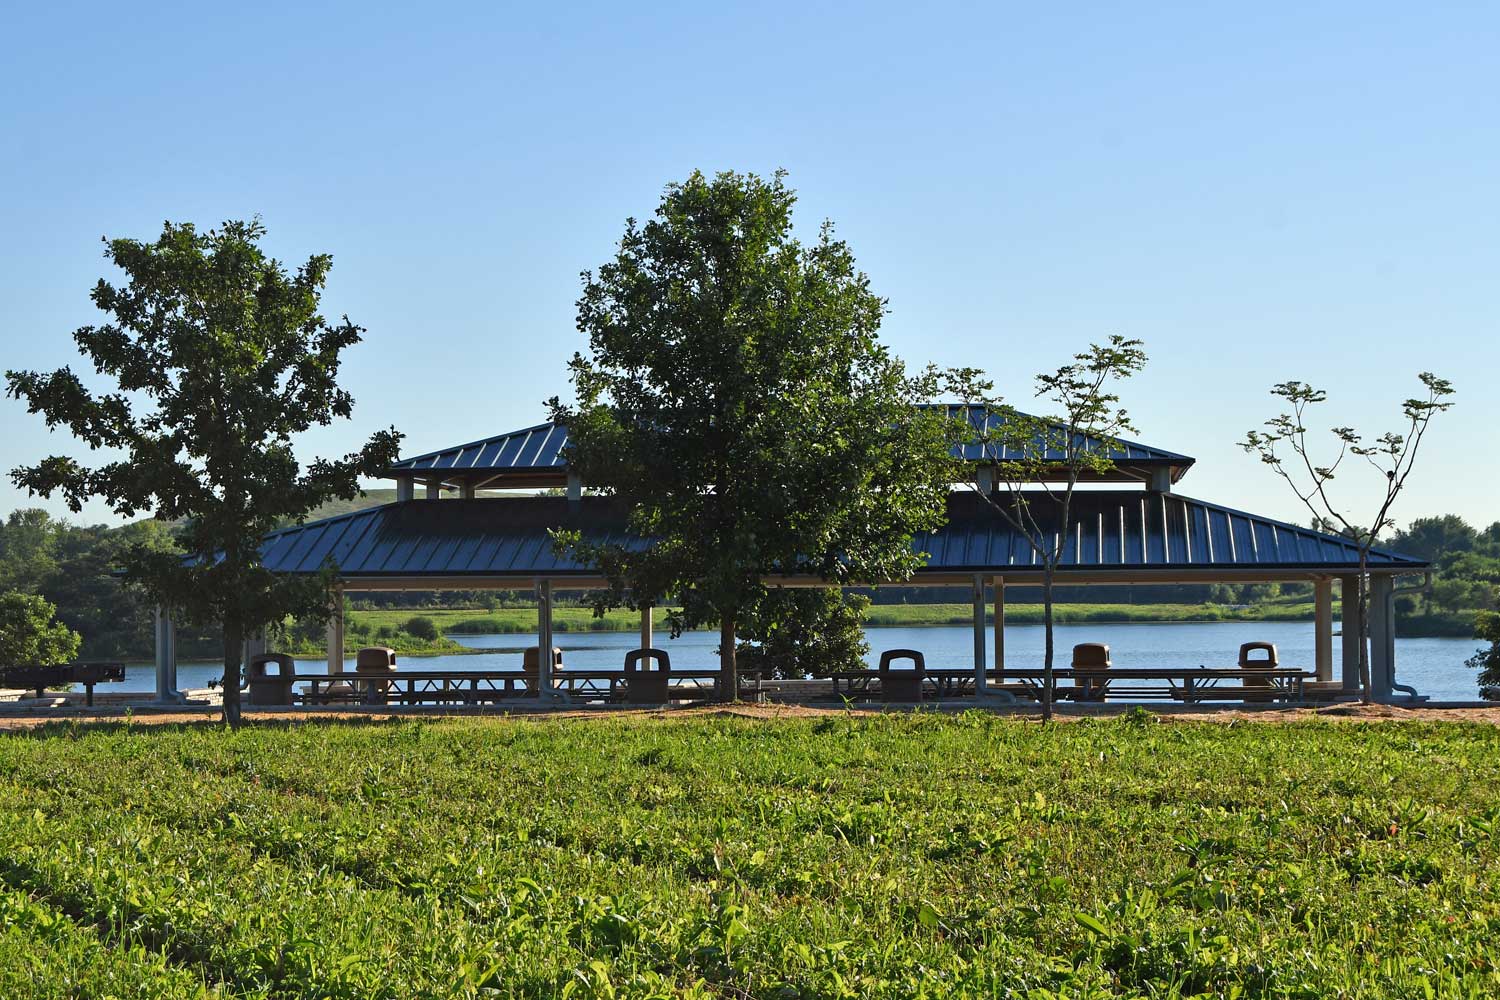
(897, 856)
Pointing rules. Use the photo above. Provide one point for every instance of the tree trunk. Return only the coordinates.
(1047, 676)
(1366, 696)
(729, 671)
(234, 646)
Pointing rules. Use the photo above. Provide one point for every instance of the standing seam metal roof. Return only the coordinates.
(1129, 451)
(541, 448)
(538, 447)
(1116, 529)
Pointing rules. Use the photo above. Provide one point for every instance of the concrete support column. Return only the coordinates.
(1323, 628)
(984, 479)
(1350, 626)
(575, 488)
(999, 623)
(545, 693)
(434, 489)
(466, 489)
(336, 634)
(1382, 637)
(166, 659)
(254, 646)
(646, 638)
(405, 488)
(979, 639)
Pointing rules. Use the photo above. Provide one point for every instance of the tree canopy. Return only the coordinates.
(221, 358)
(28, 634)
(737, 398)
(797, 632)
(1431, 537)
(1486, 659)
(73, 566)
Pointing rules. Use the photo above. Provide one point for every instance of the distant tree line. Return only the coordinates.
(73, 567)
(1466, 562)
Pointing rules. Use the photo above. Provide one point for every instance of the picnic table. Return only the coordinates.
(43, 677)
(481, 687)
(940, 682)
(1186, 684)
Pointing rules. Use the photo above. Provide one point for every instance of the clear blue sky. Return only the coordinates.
(1261, 194)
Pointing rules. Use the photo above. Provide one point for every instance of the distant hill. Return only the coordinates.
(370, 498)
(333, 508)
(374, 498)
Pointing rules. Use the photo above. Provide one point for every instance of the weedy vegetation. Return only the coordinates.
(844, 856)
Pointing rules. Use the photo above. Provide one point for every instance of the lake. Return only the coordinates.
(1435, 667)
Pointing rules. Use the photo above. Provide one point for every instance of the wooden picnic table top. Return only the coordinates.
(1188, 683)
(1095, 673)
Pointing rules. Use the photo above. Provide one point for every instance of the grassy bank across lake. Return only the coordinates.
(888, 856)
(575, 619)
(522, 620)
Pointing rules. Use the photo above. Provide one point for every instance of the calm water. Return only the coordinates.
(1435, 667)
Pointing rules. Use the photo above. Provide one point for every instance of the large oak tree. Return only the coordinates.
(737, 400)
(220, 358)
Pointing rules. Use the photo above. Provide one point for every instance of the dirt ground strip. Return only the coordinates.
(21, 718)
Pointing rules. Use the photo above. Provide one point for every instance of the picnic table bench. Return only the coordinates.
(1186, 684)
(940, 682)
(481, 687)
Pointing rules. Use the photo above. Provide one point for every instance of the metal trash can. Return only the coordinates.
(266, 687)
(1093, 657)
(371, 662)
(531, 658)
(531, 664)
(647, 687)
(1258, 688)
(902, 685)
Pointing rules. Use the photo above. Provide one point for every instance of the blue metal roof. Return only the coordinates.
(530, 448)
(534, 452)
(1144, 530)
(493, 536)
(1116, 530)
(1127, 452)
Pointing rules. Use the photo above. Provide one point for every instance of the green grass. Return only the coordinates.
(897, 856)
(402, 643)
(1031, 614)
(574, 619)
(477, 621)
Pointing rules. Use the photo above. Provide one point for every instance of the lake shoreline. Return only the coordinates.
(1026, 620)
(1436, 666)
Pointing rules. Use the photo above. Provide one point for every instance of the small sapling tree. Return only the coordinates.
(1036, 462)
(221, 359)
(1284, 447)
